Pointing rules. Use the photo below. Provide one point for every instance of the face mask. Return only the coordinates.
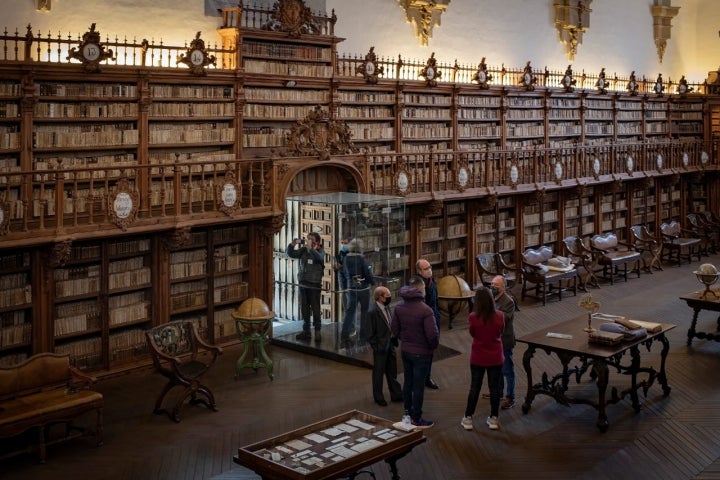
(387, 301)
(494, 291)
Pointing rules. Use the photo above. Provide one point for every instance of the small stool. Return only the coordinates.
(252, 323)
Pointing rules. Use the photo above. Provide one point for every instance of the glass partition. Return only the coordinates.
(371, 231)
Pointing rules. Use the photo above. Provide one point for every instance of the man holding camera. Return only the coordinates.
(312, 267)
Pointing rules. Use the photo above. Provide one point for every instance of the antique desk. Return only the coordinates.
(599, 360)
(337, 447)
(698, 301)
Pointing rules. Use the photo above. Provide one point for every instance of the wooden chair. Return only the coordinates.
(648, 246)
(176, 349)
(679, 242)
(707, 230)
(584, 261)
(490, 265)
(614, 256)
(543, 278)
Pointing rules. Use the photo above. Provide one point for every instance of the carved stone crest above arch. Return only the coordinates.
(58, 254)
(177, 238)
(433, 207)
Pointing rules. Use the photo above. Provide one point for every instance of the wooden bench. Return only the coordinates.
(614, 256)
(540, 275)
(42, 391)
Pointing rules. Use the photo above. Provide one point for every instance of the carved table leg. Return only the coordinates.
(634, 368)
(601, 368)
(662, 377)
(693, 324)
(528, 370)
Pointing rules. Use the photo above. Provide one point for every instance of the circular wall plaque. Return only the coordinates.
(704, 157)
(685, 159)
(514, 174)
(558, 170)
(596, 166)
(462, 177)
(402, 182)
(659, 161)
(629, 164)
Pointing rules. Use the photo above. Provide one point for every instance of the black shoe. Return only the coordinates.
(430, 383)
(382, 403)
(303, 335)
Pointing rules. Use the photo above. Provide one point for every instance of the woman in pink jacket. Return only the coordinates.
(486, 328)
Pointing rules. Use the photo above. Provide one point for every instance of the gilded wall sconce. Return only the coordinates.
(572, 20)
(424, 15)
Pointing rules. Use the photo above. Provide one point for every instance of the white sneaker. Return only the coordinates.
(492, 422)
(467, 423)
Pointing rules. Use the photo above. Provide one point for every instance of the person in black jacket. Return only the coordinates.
(358, 279)
(312, 268)
(383, 346)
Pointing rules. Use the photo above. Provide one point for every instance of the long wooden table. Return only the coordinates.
(703, 301)
(336, 447)
(596, 358)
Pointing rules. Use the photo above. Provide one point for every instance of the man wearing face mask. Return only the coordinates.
(505, 304)
(383, 345)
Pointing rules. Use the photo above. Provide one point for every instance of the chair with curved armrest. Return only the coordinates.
(543, 274)
(679, 243)
(183, 357)
(584, 260)
(614, 256)
(648, 245)
(709, 231)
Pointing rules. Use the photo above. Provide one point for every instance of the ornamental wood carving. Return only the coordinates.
(369, 68)
(123, 204)
(228, 193)
(433, 207)
(271, 226)
(293, 17)
(177, 238)
(319, 135)
(487, 203)
(196, 57)
(90, 51)
(58, 254)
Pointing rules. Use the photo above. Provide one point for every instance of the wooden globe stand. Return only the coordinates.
(708, 279)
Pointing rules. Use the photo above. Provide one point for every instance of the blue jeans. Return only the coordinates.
(508, 372)
(353, 298)
(415, 369)
(476, 379)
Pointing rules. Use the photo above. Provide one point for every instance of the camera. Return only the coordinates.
(302, 241)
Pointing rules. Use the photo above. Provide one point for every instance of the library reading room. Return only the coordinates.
(333, 239)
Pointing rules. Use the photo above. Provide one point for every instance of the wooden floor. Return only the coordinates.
(673, 437)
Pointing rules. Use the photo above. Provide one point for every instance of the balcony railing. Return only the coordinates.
(42, 205)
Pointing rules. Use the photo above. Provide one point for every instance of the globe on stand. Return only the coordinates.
(708, 275)
(592, 306)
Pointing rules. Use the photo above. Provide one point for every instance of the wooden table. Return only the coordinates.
(597, 359)
(333, 448)
(701, 301)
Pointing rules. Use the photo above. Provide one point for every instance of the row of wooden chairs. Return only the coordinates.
(541, 273)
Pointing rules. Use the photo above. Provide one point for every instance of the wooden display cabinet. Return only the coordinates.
(629, 119)
(370, 115)
(426, 121)
(687, 117)
(479, 121)
(16, 307)
(524, 120)
(598, 120)
(564, 125)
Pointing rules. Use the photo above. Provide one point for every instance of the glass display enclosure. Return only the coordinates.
(373, 226)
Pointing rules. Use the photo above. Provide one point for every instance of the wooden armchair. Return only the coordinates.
(649, 247)
(584, 260)
(679, 243)
(544, 277)
(708, 232)
(614, 256)
(490, 265)
(183, 357)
